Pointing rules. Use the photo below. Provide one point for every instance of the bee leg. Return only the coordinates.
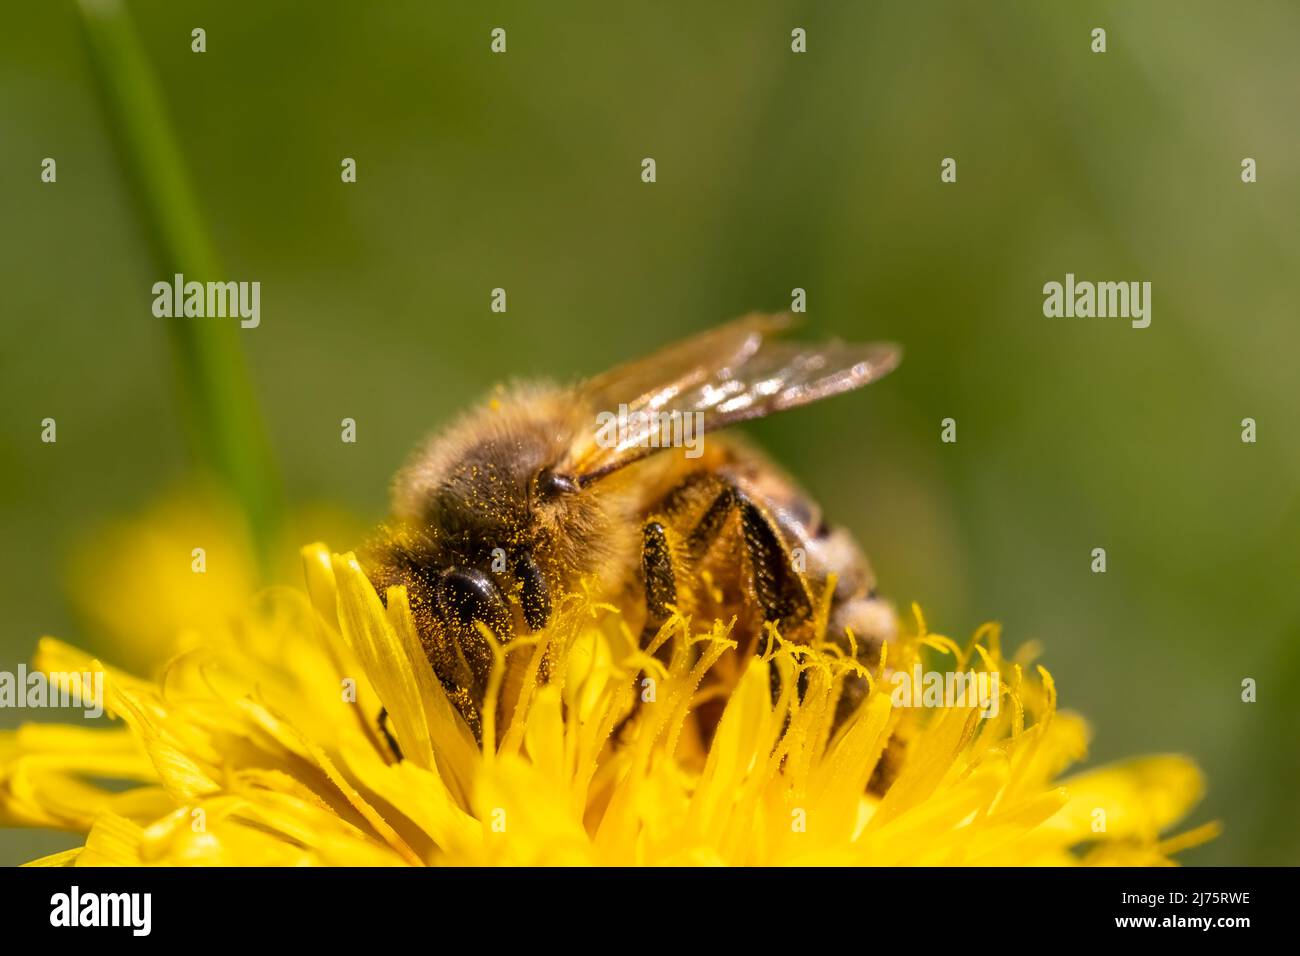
(780, 592)
(782, 595)
(388, 737)
(660, 573)
(657, 566)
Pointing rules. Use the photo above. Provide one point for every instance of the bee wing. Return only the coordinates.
(733, 374)
(659, 377)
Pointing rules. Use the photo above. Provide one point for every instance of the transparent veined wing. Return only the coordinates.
(735, 373)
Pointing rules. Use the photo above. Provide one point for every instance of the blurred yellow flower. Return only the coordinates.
(141, 610)
(111, 595)
(261, 745)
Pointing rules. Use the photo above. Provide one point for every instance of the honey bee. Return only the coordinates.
(509, 509)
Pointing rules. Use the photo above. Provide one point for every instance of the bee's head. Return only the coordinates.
(497, 521)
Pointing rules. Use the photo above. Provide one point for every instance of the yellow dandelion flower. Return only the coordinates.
(146, 608)
(262, 745)
(110, 594)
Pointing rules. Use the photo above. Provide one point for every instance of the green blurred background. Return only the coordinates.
(775, 171)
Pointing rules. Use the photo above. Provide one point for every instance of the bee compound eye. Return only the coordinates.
(552, 484)
(534, 594)
(464, 596)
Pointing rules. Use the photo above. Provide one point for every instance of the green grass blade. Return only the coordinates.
(220, 409)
